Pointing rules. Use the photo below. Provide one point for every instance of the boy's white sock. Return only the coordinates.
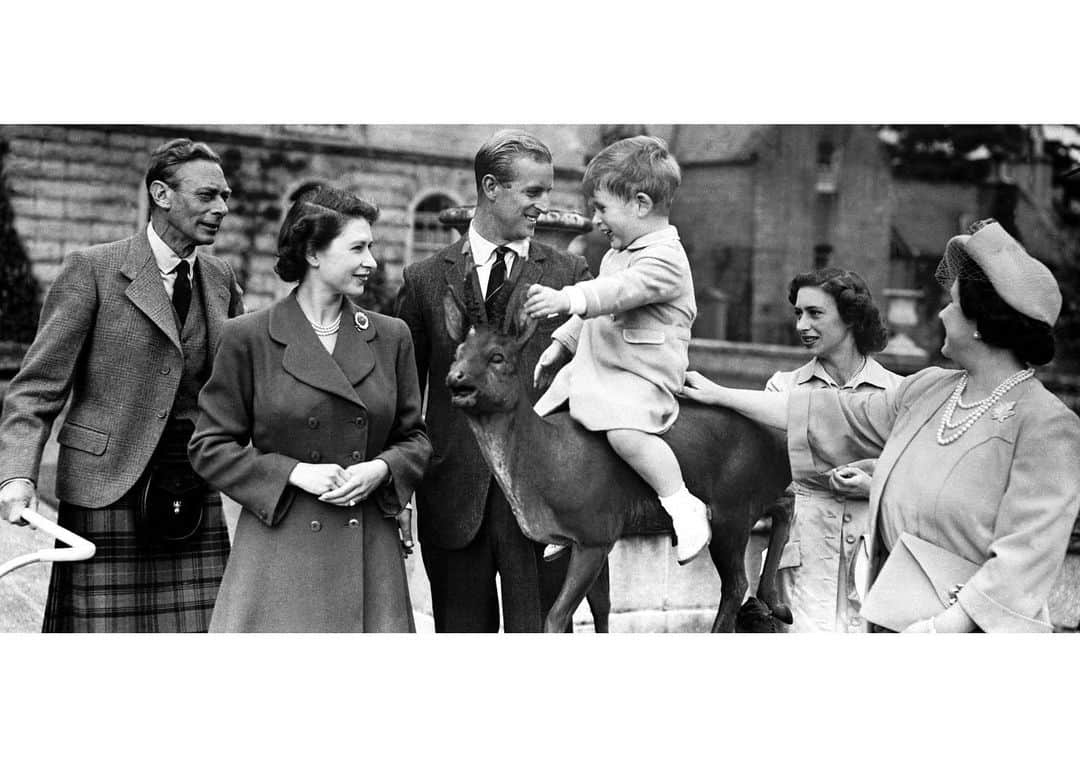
(677, 502)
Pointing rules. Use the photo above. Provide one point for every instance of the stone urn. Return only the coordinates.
(902, 353)
(555, 228)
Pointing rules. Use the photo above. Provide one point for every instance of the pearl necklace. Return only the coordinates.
(979, 408)
(328, 330)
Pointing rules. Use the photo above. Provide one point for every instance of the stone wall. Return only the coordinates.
(75, 186)
(791, 216)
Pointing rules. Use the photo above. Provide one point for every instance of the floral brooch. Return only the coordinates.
(1002, 411)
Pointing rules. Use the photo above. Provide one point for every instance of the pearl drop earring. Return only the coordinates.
(977, 335)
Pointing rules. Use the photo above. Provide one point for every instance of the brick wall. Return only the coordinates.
(74, 186)
(791, 216)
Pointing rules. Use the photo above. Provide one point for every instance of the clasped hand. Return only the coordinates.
(335, 485)
(851, 481)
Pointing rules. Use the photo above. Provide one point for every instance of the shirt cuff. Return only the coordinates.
(17, 478)
(578, 305)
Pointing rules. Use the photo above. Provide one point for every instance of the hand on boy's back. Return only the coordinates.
(551, 360)
(545, 302)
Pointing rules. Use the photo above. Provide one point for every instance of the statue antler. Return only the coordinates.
(474, 303)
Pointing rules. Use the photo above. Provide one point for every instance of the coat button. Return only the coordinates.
(360, 421)
(356, 456)
(315, 456)
(353, 523)
(165, 370)
(316, 526)
(847, 517)
(162, 414)
(850, 539)
(312, 422)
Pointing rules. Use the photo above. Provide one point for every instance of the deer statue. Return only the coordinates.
(566, 485)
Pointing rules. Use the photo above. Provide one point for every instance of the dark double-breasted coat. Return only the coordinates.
(299, 564)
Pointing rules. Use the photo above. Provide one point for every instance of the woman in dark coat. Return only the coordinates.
(327, 396)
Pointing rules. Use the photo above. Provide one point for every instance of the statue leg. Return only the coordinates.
(767, 591)
(728, 548)
(585, 565)
(599, 598)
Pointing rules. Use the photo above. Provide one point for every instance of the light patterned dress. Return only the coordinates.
(816, 568)
(1004, 495)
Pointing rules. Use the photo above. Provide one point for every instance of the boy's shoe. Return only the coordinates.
(553, 552)
(690, 518)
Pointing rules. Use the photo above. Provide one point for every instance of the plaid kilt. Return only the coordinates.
(129, 587)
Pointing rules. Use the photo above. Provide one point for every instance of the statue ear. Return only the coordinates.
(454, 316)
(524, 326)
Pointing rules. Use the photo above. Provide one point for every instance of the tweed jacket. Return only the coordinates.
(451, 498)
(631, 348)
(274, 385)
(1004, 495)
(109, 338)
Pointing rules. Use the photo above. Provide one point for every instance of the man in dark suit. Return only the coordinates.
(128, 331)
(468, 534)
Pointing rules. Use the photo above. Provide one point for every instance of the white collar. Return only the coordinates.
(482, 249)
(667, 234)
(166, 258)
(872, 372)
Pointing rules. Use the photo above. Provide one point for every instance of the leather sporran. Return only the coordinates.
(170, 496)
(170, 504)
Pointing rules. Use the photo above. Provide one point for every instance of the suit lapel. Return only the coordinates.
(460, 272)
(305, 358)
(897, 444)
(215, 289)
(524, 274)
(146, 290)
(353, 351)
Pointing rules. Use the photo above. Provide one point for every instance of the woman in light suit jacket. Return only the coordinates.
(979, 461)
(327, 396)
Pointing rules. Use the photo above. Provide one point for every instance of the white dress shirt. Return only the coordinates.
(167, 260)
(483, 253)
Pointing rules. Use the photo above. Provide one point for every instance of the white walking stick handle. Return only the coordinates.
(78, 548)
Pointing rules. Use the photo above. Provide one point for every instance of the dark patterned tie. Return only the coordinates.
(181, 294)
(497, 278)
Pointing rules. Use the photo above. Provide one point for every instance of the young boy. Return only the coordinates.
(630, 330)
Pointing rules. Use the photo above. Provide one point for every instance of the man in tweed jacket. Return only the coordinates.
(468, 534)
(111, 339)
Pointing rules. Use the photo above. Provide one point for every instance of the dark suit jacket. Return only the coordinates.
(450, 500)
(274, 385)
(108, 336)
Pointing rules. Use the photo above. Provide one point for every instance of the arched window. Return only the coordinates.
(428, 235)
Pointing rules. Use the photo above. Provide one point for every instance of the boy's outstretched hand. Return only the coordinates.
(551, 360)
(545, 302)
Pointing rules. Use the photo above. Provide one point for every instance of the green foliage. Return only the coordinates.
(18, 289)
